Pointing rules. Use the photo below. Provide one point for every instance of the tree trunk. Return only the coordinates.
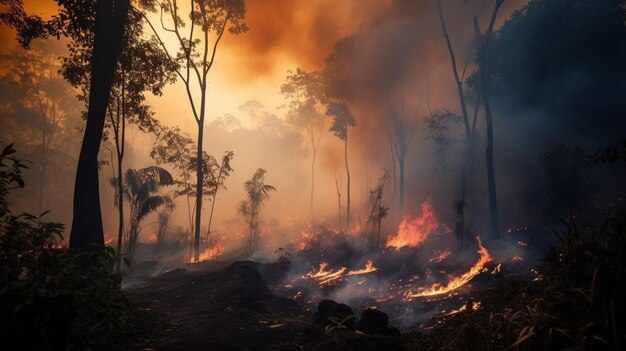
(401, 164)
(312, 180)
(87, 232)
(491, 177)
(120, 146)
(199, 181)
(347, 182)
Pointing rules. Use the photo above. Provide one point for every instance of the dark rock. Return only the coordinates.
(373, 322)
(330, 308)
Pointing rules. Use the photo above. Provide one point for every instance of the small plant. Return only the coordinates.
(284, 254)
(337, 324)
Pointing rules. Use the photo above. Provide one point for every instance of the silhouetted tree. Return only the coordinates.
(257, 192)
(195, 58)
(342, 120)
(483, 48)
(142, 67)
(98, 25)
(141, 189)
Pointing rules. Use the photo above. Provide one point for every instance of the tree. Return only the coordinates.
(342, 119)
(216, 181)
(141, 189)
(483, 48)
(99, 25)
(142, 67)
(38, 108)
(257, 192)
(400, 134)
(173, 148)
(195, 58)
(304, 91)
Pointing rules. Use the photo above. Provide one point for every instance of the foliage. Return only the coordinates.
(284, 253)
(257, 192)
(141, 189)
(342, 119)
(437, 126)
(564, 181)
(53, 298)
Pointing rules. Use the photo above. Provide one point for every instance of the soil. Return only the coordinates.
(233, 309)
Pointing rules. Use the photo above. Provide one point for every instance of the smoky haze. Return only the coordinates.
(389, 62)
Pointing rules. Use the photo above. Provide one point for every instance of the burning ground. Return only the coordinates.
(420, 279)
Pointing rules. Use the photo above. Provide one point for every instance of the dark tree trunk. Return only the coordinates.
(491, 177)
(401, 164)
(87, 232)
(348, 183)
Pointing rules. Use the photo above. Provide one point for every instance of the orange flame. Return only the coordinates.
(413, 232)
(440, 256)
(369, 268)
(328, 277)
(457, 282)
(209, 254)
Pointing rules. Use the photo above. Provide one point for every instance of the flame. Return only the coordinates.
(329, 277)
(457, 282)
(440, 255)
(109, 241)
(413, 232)
(209, 254)
(476, 305)
(517, 258)
(326, 277)
(369, 268)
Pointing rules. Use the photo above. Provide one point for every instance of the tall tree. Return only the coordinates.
(304, 90)
(196, 56)
(257, 192)
(400, 134)
(98, 25)
(483, 48)
(342, 119)
(142, 67)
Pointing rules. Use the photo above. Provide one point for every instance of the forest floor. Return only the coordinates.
(230, 309)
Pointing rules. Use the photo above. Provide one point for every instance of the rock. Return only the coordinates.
(330, 308)
(373, 322)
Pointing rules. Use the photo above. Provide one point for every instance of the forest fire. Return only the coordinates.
(413, 232)
(456, 282)
(209, 254)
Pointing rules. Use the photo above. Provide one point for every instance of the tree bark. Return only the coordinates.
(87, 232)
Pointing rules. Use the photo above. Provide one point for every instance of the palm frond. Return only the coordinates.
(151, 204)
